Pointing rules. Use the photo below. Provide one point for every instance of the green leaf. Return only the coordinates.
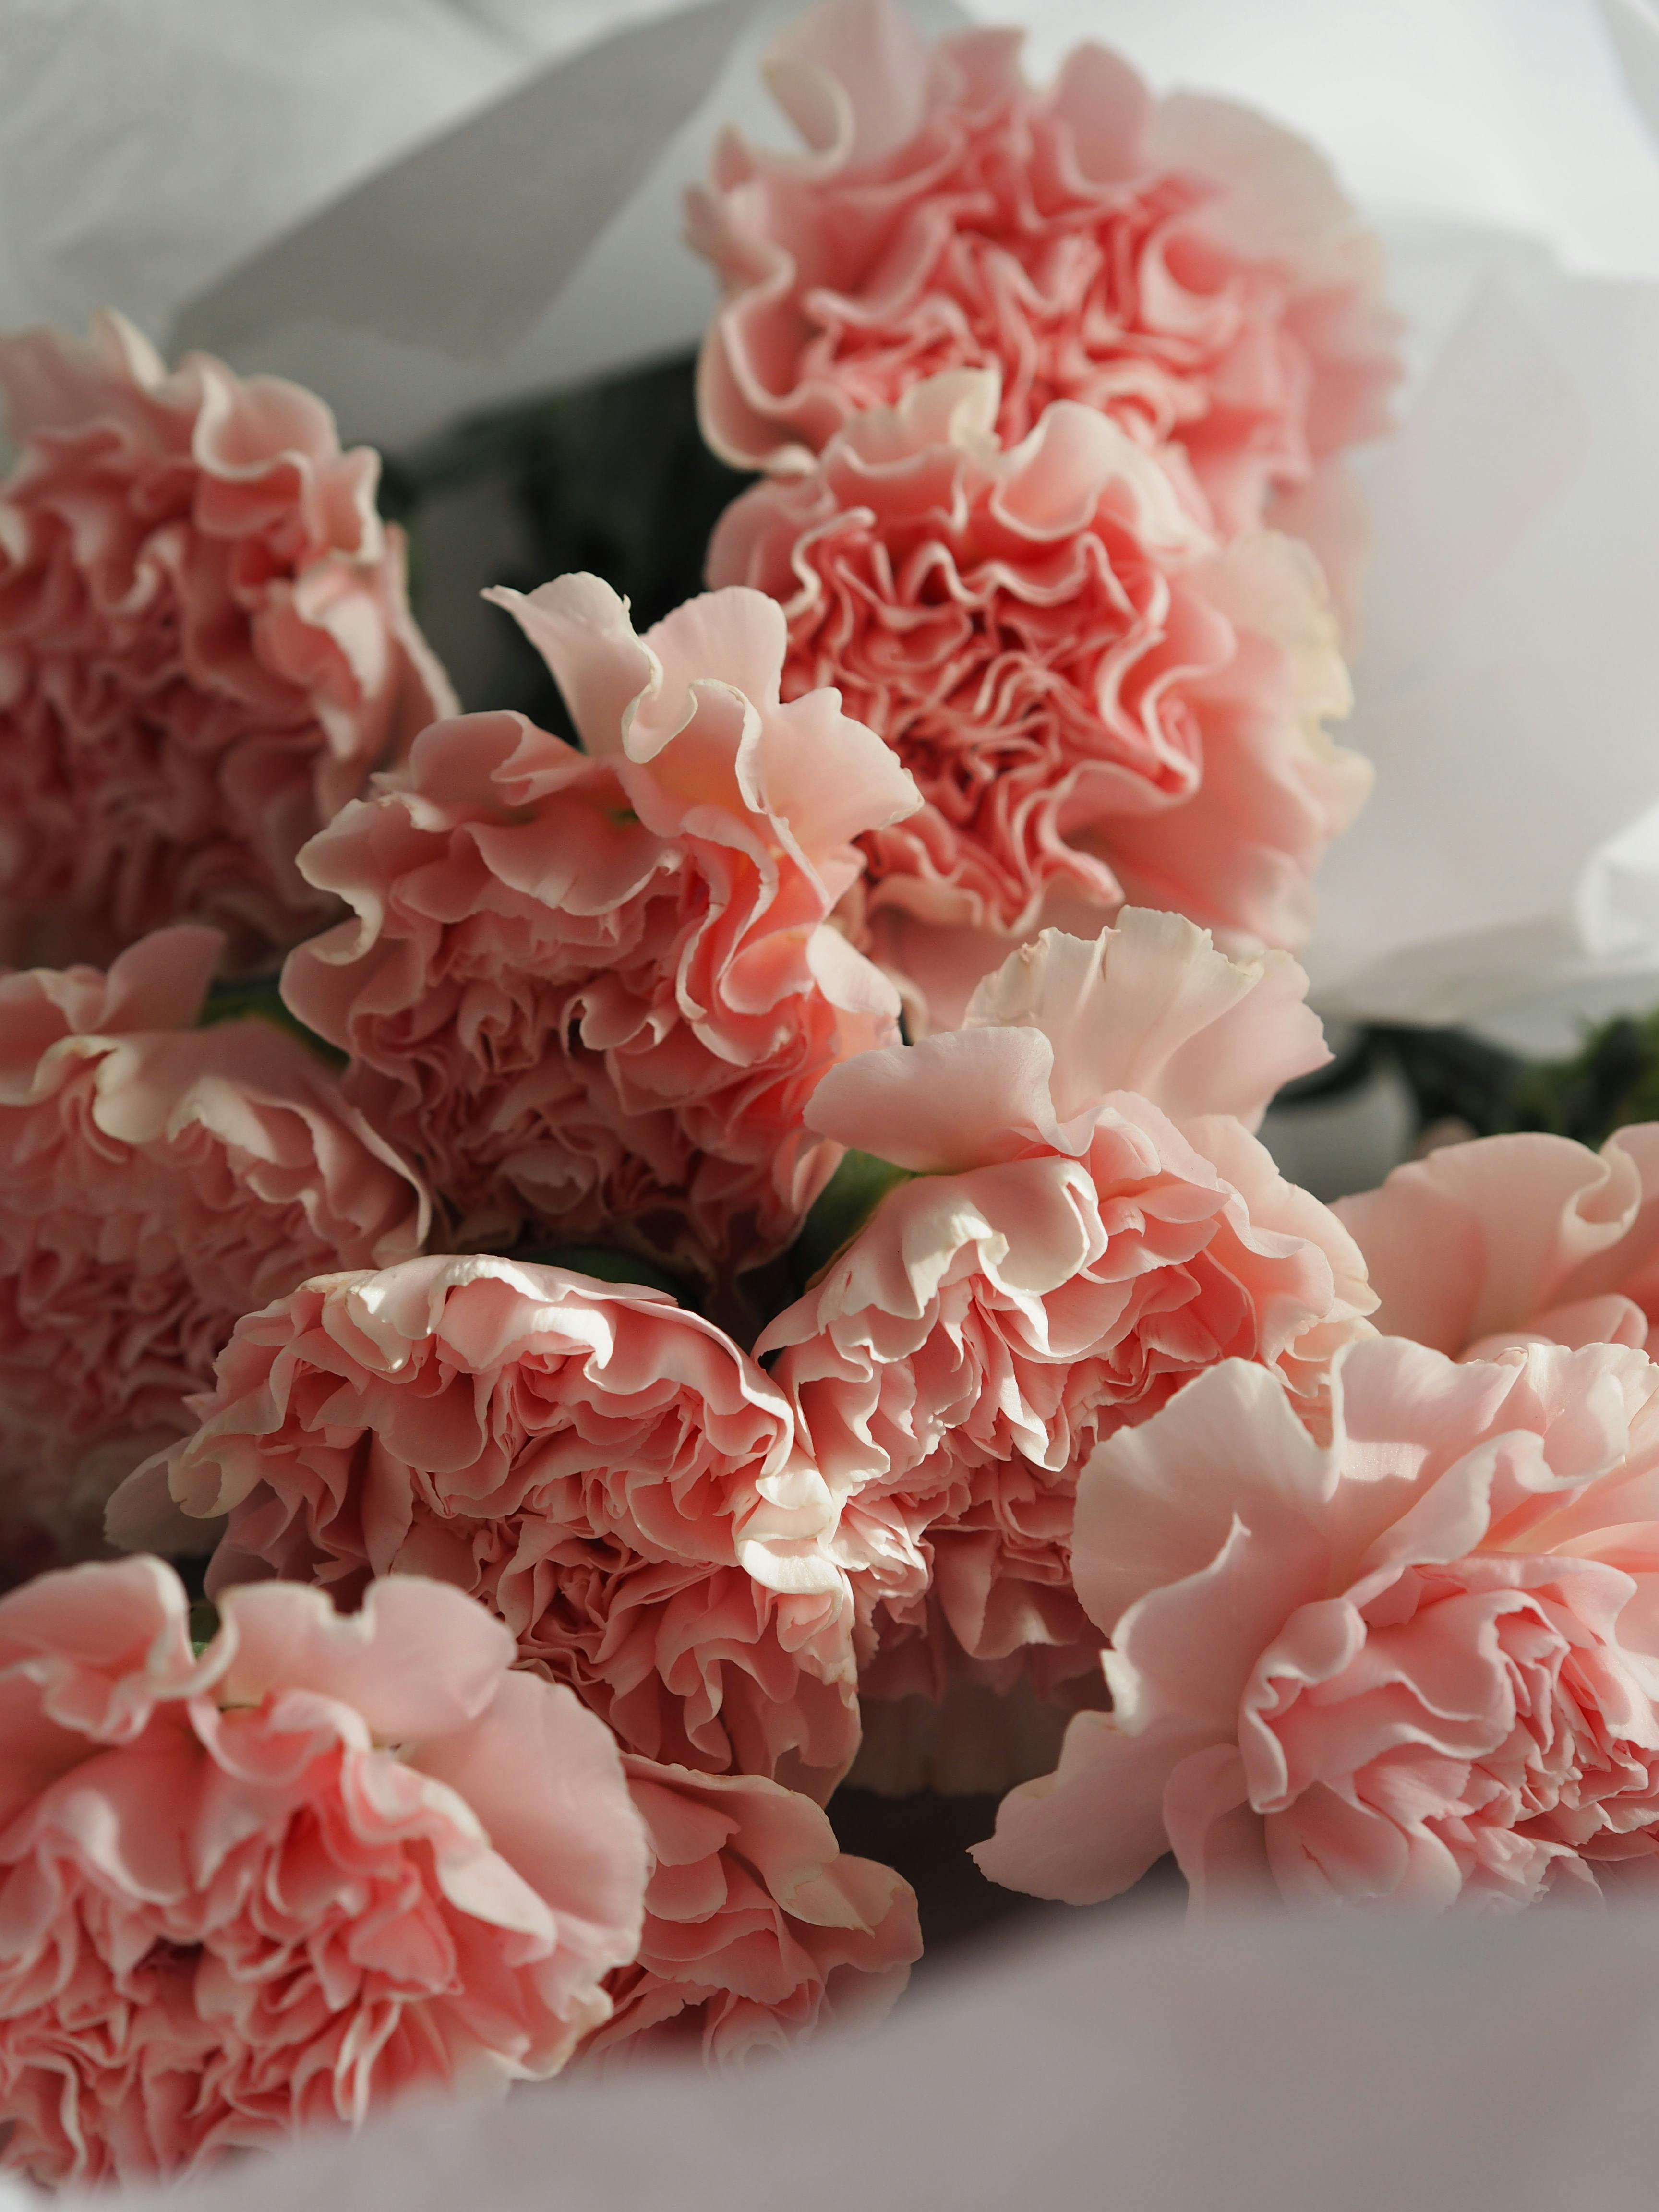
(257, 998)
(606, 1263)
(845, 1204)
(1612, 1081)
(203, 1624)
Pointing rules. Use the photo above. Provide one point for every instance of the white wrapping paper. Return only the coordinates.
(1116, 2061)
(459, 245)
(502, 218)
(1506, 871)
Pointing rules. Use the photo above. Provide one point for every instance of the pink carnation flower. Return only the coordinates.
(759, 1931)
(283, 1882)
(1090, 1224)
(1416, 1666)
(204, 645)
(156, 1181)
(607, 1471)
(1096, 705)
(1515, 1239)
(595, 990)
(1183, 264)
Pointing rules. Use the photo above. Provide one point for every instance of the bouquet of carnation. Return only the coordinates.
(593, 1288)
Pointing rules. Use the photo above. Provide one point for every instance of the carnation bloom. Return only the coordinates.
(594, 990)
(1184, 265)
(1090, 1223)
(1416, 1665)
(317, 1866)
(759, 1931)
(607, 1471)
(156, 1179)
(1095, 704)
(1518, 1238)
(204, 645)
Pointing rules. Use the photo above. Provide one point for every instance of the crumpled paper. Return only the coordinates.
(460, 244)
(1505, 873)
(153, 154)
(419, 207)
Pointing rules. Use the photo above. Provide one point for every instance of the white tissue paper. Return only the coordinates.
(1506, 874)
(1115, 2060)
(419, 207)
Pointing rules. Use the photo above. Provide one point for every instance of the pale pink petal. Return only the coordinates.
(1092, 1829)
(759, 1931)
(850, 75)
(1478, 1241)
(1216, 1834)
(417, 1660)
(546, 1780)
(580, 628)
(965, 1099)
(1151, 1005)
(103, 1643)
(1155, 1504)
